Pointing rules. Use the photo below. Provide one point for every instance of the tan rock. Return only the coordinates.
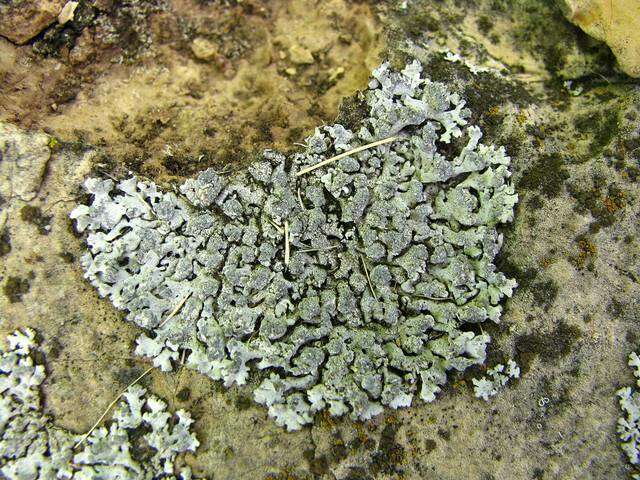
(21, 22)
(203, 49)
(300, 55)
(24, 162)
(67, 12)
(615, 22)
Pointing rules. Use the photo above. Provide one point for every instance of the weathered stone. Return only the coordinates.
(23, 161)
(20, 23)
(300, 55)
(203, 49)
(615, 22)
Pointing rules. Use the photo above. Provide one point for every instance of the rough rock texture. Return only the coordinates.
(23, 161)
(21, 20)
(616, 22)
(32, 447)
(360, 280)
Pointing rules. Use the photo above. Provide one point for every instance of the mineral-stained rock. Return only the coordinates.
(615, 22)
(22, 21)
(23, 161)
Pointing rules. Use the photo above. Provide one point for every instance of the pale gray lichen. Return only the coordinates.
(391, 261)
(629, 423)
(496, 378)
(32, 447)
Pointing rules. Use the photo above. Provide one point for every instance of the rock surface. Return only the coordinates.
(22, 21)
(615, 22)
(23, 163)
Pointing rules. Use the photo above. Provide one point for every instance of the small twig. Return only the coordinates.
(115, 400)
(366, 273)
(175, 310)
(346, 154)
(286, 242)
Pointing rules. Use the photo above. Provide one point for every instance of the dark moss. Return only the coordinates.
(524, 276)
(67, 257)
(243, 402)
(549, 347)
(184, 394)
(352, 111)
(444, 434)
(358, 473)
(15, 287)
(545, 293)
(485, 24)
(546, 176)
(429, 445)
(5, 243)
(615, 308)
(54, 348)
(34, 216)
(389, 456)
(318, 466)
(140, 449)
(601, 125)
(605, 204)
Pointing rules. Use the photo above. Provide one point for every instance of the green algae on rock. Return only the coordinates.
(353, 286)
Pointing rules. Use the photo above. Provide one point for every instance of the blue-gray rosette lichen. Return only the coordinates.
(351, 287)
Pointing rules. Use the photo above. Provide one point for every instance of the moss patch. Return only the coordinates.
(547, 176)
(34, 216)
(5, 243)
(15, 288)
(549, 347)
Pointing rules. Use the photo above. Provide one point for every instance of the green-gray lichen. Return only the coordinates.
(32, 447)
(390, 264)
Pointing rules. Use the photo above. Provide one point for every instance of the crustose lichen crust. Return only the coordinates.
(351, 287)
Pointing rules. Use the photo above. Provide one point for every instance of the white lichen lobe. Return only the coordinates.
(353, 285)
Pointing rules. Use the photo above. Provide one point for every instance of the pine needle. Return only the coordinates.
(300, 200)
(286, 242)
(115, 400)
(307, 250)
(276, 226)
(175, 310)
(346, 154)
(366, 274)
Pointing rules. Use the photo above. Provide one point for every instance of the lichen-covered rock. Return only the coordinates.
(353, 285)
(32, 447)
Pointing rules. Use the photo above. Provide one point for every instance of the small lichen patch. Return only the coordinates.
(142, 442)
